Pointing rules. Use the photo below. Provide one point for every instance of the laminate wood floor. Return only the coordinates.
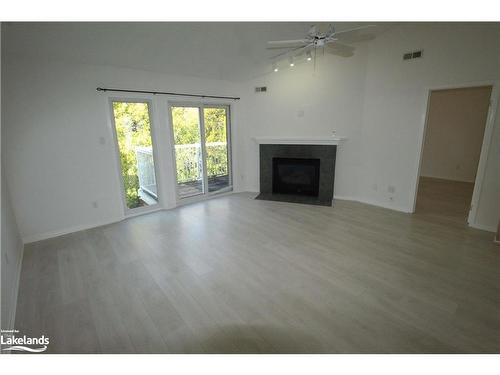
(444, 199)
(238, 275)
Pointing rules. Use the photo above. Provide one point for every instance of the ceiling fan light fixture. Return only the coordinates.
(308, 56)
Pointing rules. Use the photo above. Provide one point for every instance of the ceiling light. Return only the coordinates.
(308, 56)
(290, 60)
(275, 67)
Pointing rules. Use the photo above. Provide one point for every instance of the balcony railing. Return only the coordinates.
(146, 170)
(189, 161)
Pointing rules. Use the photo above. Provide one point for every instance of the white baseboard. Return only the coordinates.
(359, 200)
(47, 235)
(345, 198)
(77, 228)
(372, 203)
(406, 210)
(62, 232)
(15, 292)
(483, 227)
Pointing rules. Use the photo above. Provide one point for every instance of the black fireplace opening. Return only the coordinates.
(296, 176)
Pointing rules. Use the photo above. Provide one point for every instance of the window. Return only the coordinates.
(202, 149)
(133, 134)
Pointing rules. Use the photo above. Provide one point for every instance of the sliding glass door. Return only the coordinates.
(216, 146)
(202, 149)
(186, 125)
(132, 125)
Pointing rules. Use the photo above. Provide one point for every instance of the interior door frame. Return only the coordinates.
(126, 99)
(485, 146)
(201, 106)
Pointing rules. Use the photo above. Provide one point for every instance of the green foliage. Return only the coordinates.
(132, 129)
(215, 124)
(215, 131)
(186, 125)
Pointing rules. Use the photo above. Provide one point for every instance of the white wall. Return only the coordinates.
(488, 212)
(395, 104)
(301, 101)
(379, 102)
(454, 133)
(54, 119)
(12, 251)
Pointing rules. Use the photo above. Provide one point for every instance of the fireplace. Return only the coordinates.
(296, 176)
(297, 173)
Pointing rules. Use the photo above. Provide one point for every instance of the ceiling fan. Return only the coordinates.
(315, 39)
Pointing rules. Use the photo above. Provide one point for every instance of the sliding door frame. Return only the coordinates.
(227, 107)
(137, 210)
(201, 110)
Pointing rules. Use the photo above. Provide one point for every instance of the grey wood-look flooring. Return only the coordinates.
(238, 275)
(444, 199)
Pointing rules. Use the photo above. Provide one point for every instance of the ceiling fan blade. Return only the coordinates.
(340, 49)
(287, 46)
(294, 51)
(353, 29)
(330, 31)
(313, 30)
(280, 43)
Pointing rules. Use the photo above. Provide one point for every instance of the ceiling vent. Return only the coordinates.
(261, 89)
(413, 55)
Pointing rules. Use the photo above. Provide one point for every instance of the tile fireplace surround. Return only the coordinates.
(312, 148)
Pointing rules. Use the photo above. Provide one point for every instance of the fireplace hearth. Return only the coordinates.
(297, 173)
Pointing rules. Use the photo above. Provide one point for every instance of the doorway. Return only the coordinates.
(454, 135)
(202, 149)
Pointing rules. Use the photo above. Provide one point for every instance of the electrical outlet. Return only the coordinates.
(102, 140)
(391, 189)
(300, 113)
(375, 187)
(95, 204)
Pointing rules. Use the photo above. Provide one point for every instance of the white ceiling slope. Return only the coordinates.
(229, 51)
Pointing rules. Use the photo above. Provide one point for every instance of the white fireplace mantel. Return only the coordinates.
(299, 140)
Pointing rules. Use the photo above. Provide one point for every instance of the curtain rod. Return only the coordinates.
(168, 93)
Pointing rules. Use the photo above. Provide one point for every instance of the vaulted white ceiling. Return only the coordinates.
(230, 51)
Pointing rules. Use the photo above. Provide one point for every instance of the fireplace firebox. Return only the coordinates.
(296, 176)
